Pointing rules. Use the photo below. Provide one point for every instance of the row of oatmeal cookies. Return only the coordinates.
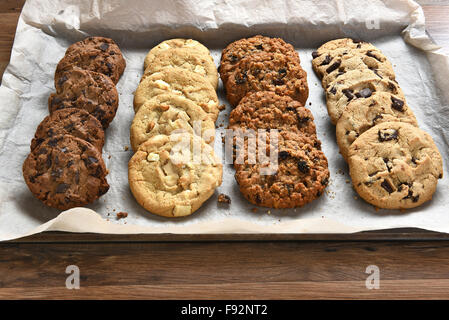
(265, 83)
(174, 169)
(393, 164)
(65, 168)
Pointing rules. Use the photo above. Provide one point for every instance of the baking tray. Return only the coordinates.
(60, 23)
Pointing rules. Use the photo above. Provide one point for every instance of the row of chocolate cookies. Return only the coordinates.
(176, 99)
(264, 80)
(65, 168)
(393, 164)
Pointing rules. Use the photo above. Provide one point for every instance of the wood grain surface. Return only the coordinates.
(120, 267)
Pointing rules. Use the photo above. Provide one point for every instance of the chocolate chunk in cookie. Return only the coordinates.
(395, 165)
(87, 90)
(268, 72)
(65, 172)
(71, 121)
(95, 54)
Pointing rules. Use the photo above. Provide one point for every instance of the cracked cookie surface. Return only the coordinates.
(361, 115)
(95, 54)
(356, 85)
(165, 178)
(186, 58)
(180, 82)
(395, 165)
(87, 90)
(71, 121)
(65, 172)
(268, 72)
(237, 50)
(172, 44)
(166, 113)
(299, 177)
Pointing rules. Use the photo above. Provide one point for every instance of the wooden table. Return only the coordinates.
(132, 267)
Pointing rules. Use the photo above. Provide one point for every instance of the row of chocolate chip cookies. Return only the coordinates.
(65, 168)
(174, 169)
(285, 167)
(393, 164)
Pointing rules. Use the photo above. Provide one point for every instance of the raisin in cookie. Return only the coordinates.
(65, 172)
(300, 176)
(267, 110)
(354, 85)
(268, 72)
(395, 165)
(242, 48)
(71, 121)
(175, 43)
(374, 62)
(87, 90)
(166, 113)
(361, 115)
(185, 58)
(180, 82)
(95, 54)
(166, 178)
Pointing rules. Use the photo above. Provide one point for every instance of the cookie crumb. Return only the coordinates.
(223, 198)
(347, 181)
(126, 148)
(121, 215)
(221, 107)
(269, 211)
(109, 157)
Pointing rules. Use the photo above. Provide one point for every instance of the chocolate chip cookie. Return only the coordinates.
(300, 176)
(237, 50)
(167, 180)
(348, 60)
(267, 110)
(70, 121)
(83, 89)
(175, 43)
(363, 114)
(356, 84)
(181, 82)
(346, 43)
(268, 72)
(395, 165)
(186, 58)
(65, 172)
(95, 54)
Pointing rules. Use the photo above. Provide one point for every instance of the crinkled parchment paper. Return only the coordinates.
(46, 28)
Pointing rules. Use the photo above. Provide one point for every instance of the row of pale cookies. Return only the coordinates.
(393, 164)
(174, 169)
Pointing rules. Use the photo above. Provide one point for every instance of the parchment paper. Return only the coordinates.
(47, 28)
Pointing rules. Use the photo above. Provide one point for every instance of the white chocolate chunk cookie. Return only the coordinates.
(186, 58)
(174, 43)
(361, 115)
(166, 113)
(181, 82)
(169, 179)
(395, 165)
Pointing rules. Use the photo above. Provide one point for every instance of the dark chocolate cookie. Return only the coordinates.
(95, 54)
(72, 121)
(91, 91)
(242, 48)
(268, 72)
(301, 176)
(65, 172)
(267, 110)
